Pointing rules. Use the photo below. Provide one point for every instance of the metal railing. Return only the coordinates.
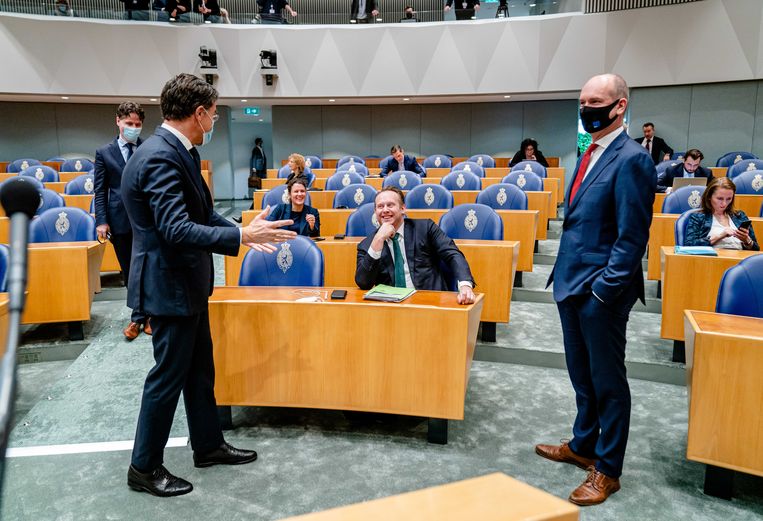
(601, 6)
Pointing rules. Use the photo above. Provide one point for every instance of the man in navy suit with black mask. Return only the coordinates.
(176, 231)
(597, 279)
(110, 215)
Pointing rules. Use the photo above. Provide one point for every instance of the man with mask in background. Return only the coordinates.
(110, 215)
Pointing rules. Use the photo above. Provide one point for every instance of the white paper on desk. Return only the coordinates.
(309, 299)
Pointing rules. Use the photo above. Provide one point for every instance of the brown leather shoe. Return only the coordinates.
(564, 454)
(147, 327)
(595, 489)
(132, 331)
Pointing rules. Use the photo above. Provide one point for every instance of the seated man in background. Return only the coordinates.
(689, 168)
(407, 253)
(409, 15)
(401, 161)
(656, 146)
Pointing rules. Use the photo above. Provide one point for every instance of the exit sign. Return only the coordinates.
(252, 111)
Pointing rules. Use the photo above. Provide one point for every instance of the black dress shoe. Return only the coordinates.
(159, 482)
(225, 454)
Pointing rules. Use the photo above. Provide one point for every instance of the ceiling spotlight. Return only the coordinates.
(332, 100)
(262, 119)
(64, 97)
(243, 101)
(406, 99)
(507, 96)
(153, 99)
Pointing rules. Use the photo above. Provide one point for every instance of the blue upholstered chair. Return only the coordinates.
(81, 185)
(355, 168)
(285, 171)
(469, 166)
(429, 197)
(744, 166)
(56, 159)
(354, 195)
(77, 165)
(503, 196)
(43, 174)
(403, 179)
(664, 165)
(438, 161)
(678, 156)
(731, 158)
(383, 162)
(279, 195)
(531, 166)
(49, 199)
(461, 180)
(62, 224)
(472, 221)
(683, 199)
(14, 167)
(298, 262)
(679, 229)
(526, 181)
(749, 183)
(313, 162)
(483, 160)
(342, 179)
(362, 222)
(741, 289)
(4, 254)
(350, 159)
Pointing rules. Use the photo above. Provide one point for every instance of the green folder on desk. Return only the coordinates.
(385, 293)
(696, 250)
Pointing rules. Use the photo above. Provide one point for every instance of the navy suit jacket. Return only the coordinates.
(409, 163)
(426, 247)
(666, 178)
(283, 211)
(175, 229)
(109, 209)
(659, 148)
(606, 228)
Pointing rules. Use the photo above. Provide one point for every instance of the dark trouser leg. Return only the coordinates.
(464, 14)
(123, 248)
(178, 365)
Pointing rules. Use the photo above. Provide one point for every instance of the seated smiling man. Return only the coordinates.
(407, 252)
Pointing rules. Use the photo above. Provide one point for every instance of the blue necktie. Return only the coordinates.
(130, 150)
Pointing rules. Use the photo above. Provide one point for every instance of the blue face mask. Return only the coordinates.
(207, 137)
(131, 134)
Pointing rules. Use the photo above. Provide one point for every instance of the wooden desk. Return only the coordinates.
(3, 321)
(749, 204)
(78, 201)
(57, 187)
(62, 279)
(495, 497)
(724, 361)
(518, 225)
(5, 235)
(662, 233)
(345, 359)
(691, 282)
(719, 171)
(492, 263)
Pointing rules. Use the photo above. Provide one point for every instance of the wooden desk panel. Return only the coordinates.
(62, 279)
(5, 235)
(262, 359)
(724, 361)
(495, 497)
(56, 187)
(691, 282)
(719, 171)
(110, 263)
(65, 177)
(3, 321)
(493, 265)
(4, 166)
(557, 173)
(749, 204)
(658, 200)
(518, 225)
(6, 176)
(78, 201)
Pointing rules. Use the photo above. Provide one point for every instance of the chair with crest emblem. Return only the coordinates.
(438, 161)
(461, 180)
(749, 183)
(383, 163)
(503, 196)
(350, 159)
(62, 224)
(354, 195)
(679, 228)
(77, 165)
(731, 158)
(49, 199)
(313, 162)
(747, 165)
(664, 165)
(678, 156)
(342, 179)
(14, 167)
(362, 222)
(683, 199)
(483, 160)
(469, 166)
(403, 179)
(298, 262)
(354, 168)
(81, 185)
(279, 195)
(524, 180)
(531, 166)
(429, 197)
(4, 253)
(472, 221)
(741, 289)
(43, 174)
(285, 171)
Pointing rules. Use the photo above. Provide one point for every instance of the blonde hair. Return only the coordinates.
(299, 162)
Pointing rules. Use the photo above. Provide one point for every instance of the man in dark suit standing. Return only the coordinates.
(401, 161)
(175, 232)
(465, 9)
(407, 252)
(363, 11)
(689, 168)
(656, 146)
(597, 279)
(110, 215)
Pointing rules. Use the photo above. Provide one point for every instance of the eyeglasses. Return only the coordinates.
(213, 118)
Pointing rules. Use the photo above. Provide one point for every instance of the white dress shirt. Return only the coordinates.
(603, 143)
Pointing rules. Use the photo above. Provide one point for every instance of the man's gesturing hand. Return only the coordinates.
(261, 232)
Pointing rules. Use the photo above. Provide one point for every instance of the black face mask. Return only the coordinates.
(595, 119)
(408, 15)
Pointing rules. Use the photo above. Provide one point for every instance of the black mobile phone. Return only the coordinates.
(339, 237)
(745, 225)
(339, 294)
(316, 239)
